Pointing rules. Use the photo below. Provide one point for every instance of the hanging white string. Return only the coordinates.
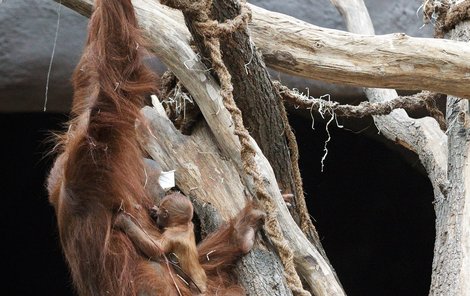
(59, 8)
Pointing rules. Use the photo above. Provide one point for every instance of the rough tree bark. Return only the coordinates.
(451, 264)
(252, 90)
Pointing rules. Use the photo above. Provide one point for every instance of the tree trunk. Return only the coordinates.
(254, 93)
(451, 264)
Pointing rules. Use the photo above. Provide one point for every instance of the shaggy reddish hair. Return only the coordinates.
(100, 172)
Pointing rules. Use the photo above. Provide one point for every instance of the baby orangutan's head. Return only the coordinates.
(174, 209)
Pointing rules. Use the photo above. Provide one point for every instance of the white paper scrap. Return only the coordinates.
(167, 180)
(157, 105)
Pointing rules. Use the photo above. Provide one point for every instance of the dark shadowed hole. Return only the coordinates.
(34, 260)
(372, 209)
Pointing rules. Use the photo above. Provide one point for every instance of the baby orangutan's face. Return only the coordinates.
(162, 217)
(174, 209)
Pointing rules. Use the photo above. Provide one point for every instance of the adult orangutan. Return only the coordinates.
(97, 180)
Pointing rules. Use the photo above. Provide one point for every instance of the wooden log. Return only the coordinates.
(299, 48)
(254, 95)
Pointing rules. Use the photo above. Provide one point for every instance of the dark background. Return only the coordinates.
(372, 209)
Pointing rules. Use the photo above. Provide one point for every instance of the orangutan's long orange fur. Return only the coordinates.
(100, 172)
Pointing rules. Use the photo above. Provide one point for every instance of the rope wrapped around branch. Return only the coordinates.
(211, 30)
(423, 99)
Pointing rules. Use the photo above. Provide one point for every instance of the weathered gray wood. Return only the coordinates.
(451, 264)
(355, 15)
(299, 48)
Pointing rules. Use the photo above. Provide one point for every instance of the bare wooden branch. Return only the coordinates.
(389, 61)
(451, 263)
(299, 48)
(355, 15)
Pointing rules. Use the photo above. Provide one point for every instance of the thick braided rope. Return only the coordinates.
(211, 30)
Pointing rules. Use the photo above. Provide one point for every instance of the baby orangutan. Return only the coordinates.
(174, 216)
